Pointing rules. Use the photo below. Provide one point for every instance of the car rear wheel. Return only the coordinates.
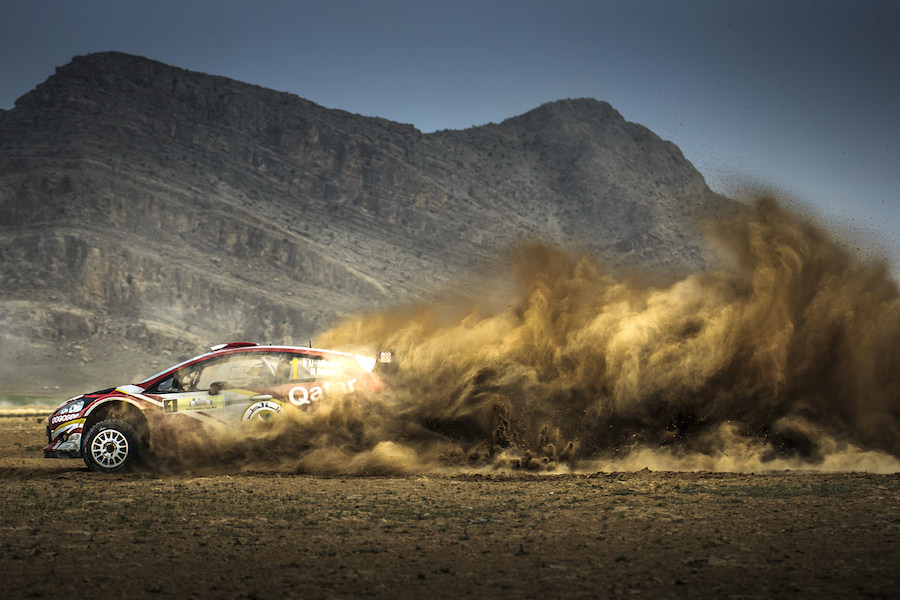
(112, 446)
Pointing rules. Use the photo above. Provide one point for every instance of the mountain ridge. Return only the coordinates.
(149, 210)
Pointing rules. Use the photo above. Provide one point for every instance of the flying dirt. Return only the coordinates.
(785, 356)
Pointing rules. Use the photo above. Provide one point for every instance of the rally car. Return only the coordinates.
(232, 385)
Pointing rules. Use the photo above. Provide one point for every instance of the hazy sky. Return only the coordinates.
(801, 96)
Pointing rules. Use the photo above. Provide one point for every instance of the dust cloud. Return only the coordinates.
(784, 357)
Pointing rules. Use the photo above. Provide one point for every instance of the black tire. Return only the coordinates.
(112, 446)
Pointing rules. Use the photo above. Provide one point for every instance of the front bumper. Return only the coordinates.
(64, 444)
(61, 453)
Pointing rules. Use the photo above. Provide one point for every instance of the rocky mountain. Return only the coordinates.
(147, 211)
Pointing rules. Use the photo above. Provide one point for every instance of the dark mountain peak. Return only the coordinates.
(112, 84)
(86, 74)
(110, 61)
(585, 114)
(111, 77)
(580, 109)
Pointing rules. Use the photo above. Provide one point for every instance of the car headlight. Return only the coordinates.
(72, 407)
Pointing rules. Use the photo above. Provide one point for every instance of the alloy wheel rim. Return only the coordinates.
(110, 448)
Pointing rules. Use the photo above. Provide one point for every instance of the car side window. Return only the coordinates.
(251, 369)
(168, 385)
(302, 368)
(235, 371)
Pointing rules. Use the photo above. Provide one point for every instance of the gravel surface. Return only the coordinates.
(65, 531)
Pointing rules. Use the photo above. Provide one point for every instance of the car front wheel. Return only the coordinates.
(111, 446)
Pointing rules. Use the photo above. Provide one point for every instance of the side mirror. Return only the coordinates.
(216, 386)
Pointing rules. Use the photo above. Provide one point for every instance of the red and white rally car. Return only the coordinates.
(235, 383)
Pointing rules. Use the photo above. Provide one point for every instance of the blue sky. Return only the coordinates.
(800, 96)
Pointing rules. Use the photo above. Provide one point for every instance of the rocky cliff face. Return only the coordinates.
(147, 211)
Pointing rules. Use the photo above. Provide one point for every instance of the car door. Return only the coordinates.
(230, 389)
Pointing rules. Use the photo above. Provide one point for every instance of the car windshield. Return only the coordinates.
(146, 381)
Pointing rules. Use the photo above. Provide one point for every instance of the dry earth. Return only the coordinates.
(65, 531)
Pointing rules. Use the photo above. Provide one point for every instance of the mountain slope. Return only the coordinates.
(147, 211)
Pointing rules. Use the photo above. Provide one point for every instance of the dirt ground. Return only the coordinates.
(66, 531)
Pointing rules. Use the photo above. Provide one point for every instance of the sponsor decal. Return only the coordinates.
(314, 367)
(300, 395)
(261, 411)
(189, 403)
(56, 419)
(197, 403)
